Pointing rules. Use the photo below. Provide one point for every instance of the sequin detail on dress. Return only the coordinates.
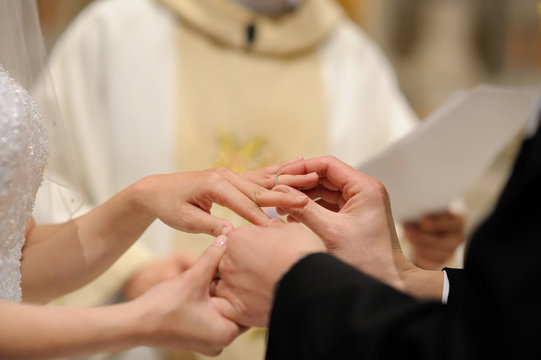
(23, 156)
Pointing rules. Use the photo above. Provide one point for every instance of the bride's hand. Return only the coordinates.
(183, 200)
(180, 313)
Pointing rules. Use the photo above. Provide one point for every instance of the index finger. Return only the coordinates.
(245, 198)
(337, 172)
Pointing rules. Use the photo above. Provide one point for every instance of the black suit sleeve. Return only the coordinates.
(325, 309)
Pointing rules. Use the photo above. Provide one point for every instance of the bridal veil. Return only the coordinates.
(23, 55)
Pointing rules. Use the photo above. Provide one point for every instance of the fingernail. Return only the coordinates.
(227, 227)
(276, 221)
(220, 241)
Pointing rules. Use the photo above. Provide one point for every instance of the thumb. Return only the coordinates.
(312, 215)
(207, 264)
(225, 308)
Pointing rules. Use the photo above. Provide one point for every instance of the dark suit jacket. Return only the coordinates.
(325, 309)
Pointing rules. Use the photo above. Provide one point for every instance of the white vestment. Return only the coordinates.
(115, 73)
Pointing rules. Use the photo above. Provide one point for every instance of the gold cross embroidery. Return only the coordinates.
(241, 156)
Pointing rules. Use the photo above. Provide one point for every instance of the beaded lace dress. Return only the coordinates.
(23, 156)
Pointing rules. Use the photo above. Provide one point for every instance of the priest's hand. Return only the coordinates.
(434, 238)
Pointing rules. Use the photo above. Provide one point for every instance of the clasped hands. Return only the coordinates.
(347, 214)
(230, 288)
(351, 219)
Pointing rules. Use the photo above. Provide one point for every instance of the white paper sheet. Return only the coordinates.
(424, 171)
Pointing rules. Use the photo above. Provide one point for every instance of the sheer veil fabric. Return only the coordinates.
(23, 55)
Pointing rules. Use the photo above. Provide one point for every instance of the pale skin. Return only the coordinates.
(156, 272)
(353, 219)
(257, 259)
(164, 269)
(176, 314)
(434, 238)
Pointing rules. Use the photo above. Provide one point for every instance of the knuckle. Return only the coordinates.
(222, 171)
(378, 186)
(188, 221)
(253, 208)
(214, 228)
(333, 232)
(301, 212)
(330, 158)
(216, 174)
(258, 194)
(380, 190)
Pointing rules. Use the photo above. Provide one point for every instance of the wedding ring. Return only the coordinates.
(276, 179)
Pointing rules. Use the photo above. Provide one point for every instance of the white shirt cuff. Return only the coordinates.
(445, 292)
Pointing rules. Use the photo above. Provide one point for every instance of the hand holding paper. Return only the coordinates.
(434, 164)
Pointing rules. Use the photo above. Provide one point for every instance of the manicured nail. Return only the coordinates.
(220, 241)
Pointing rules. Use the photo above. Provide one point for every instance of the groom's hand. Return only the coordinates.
(352, 216)
(255, 260)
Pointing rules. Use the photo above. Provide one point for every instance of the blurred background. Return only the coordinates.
(436, 46)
